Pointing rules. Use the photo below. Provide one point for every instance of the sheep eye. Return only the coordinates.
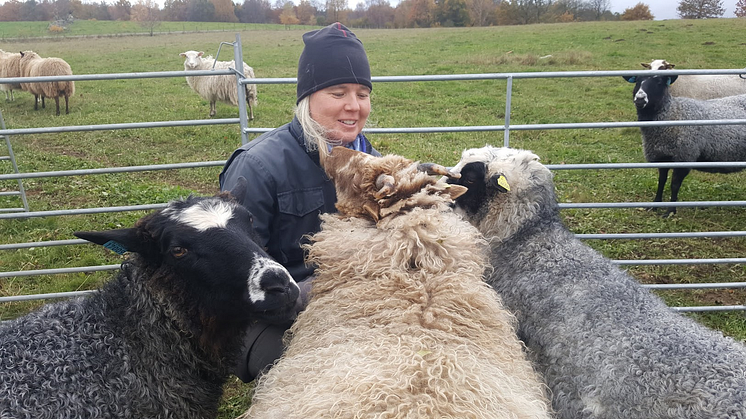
(178, 251)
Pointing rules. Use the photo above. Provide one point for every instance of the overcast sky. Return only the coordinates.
(665, 9)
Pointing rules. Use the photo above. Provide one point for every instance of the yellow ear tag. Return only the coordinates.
(503, 182)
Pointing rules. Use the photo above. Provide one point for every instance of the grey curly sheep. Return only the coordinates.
(692, 143)
(157, 341)
(606, 347)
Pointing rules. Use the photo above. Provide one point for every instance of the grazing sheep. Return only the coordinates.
(160, 339)
(702, 86)
(34, 66)
(606, 347)
(703, 143)
(10, 66)
(400, 323)
(222, 88)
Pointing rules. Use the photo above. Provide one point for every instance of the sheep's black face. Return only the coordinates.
(208, 264)
(649, 92)
(473, 176)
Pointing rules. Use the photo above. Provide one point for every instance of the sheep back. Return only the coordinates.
(220, 88)
(10, 66)
(698, 142)
(400, 324)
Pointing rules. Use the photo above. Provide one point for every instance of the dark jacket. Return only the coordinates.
(287, 191)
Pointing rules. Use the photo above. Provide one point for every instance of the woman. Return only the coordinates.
(287, 187)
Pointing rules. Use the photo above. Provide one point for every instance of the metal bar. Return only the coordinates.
(57, 271)
(652, 204)
(242, 111)
(106, 170)
(708, 308)
(45, 296)
(134, 125)
(678, 261)
(81, 211)
(688, 235)
(508, 97)
(694, 286)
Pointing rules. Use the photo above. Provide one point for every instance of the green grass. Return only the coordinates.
(273, 52)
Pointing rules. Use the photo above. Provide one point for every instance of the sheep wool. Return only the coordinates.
(218, 88)
(32, 65)
(702, 86)
(10, 66)
(400, 323)
(158, 340)
(606, 347)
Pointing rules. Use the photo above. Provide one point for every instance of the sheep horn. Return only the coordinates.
(386, 185)
(436, 169)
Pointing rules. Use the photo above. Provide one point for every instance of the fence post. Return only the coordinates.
(242, 111)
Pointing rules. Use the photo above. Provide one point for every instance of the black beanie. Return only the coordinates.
(332, 55)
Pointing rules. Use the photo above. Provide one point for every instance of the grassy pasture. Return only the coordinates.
(273, 52)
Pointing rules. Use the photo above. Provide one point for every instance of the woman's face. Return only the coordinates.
(341, 109)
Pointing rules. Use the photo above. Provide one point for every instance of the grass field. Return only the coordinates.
(273, 52)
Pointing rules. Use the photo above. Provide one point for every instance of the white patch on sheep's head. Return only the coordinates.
(641, 97)
(207, 214)
(192, 59)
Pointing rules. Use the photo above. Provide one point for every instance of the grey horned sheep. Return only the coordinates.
(702, 86)
(606, 347)
(160, 339)
(218, 88)
(400, 323)
(687, 143)
(32, 65)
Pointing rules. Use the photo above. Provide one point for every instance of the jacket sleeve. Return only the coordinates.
(260, 191)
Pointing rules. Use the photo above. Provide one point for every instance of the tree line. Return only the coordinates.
(367, 13)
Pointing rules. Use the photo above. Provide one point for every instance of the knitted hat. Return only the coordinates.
(332, 55)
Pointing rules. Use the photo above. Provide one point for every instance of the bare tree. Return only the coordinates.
(700, 9)
(599, 7)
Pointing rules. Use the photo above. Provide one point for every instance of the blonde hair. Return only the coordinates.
(315, 135)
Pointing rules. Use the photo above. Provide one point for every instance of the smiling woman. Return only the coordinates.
(287, 186)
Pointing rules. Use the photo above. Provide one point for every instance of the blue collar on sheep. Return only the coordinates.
(650, 93)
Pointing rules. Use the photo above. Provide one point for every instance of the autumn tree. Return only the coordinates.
(120, 10)
(147, 14)
(640, 11)
(225, 11)
(480, 10)
(741, 8)
(335, 10)
(306, 12)
(380, 13)
(452, 13)
(175, 10)
(421, 14)
(200, 11)
(255, 11)
(700, 9)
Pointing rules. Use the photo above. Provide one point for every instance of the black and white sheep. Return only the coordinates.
(702, 86)
(607, 347)
(693, 143)
(218, 88)
(32, 65)
(160, 339)
(400, 323)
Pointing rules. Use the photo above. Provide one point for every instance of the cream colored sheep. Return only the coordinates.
(32, 65)
(400, 323)
(10, 66)
(218, 88)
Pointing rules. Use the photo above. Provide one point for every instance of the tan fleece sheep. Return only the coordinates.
(32, 65)
(400, 323)
(10, 66)
(218, 88)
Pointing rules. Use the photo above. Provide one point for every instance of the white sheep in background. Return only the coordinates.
(607, 347)
(702, 86)
(10, 66)
(400, 323)
(32, 65)
(218, 88)
(160, 339)
(687, 143)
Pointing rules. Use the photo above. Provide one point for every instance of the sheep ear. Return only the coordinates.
(373, 210)
(646, 65)
(454, 190)
(631, 79)
(119, 241)
(182, 54)
(239, 189)
(671, 79)
(499, 182)
(199, 54)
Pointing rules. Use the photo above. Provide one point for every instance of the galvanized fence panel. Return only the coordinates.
(245, 131)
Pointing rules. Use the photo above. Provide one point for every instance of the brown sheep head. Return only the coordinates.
(375, 187)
